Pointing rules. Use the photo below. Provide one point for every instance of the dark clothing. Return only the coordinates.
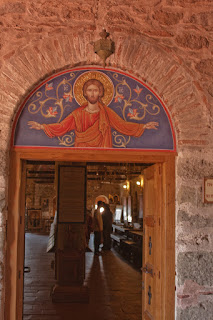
(107, 227)
(97, 240)
(88, 227)
(98, 228)
(107, 239)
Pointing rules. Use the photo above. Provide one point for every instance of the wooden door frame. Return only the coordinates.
(16, 211)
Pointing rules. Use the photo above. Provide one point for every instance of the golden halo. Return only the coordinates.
(105, 80)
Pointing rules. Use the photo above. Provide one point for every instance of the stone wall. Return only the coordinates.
(194, 236)
(165, 43)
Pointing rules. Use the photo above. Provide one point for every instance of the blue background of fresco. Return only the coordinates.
(160, 139)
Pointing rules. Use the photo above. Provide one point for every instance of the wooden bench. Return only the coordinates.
(116, 239)
(126, 248)
(132, 252)
(129, 243)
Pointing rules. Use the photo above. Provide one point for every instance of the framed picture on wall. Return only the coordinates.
(116, 199)
(44, 204)
(29, 201)
(208, 190)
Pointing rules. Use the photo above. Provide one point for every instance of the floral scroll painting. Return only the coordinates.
(94, 108)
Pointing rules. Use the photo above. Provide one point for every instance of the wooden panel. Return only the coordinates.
(168, 243)
(21, 238)
(71, 194)
(71, 267)
(147, 316)
(97, 156)
(149, 221)
(152, 243)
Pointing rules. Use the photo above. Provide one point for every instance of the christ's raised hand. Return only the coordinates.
(151, 125)
(35, 125)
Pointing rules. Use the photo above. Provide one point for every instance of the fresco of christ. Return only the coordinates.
(93, 120)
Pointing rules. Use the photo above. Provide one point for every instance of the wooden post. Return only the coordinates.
(70, 246)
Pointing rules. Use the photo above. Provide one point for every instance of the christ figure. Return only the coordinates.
(93, 121)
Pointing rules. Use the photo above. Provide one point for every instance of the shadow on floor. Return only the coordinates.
(114, 286)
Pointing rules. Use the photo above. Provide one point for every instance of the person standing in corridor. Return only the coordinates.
(107, 226)
(98, 227)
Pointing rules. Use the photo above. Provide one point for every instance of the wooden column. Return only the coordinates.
(70, 245)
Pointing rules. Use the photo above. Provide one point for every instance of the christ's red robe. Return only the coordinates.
(93, 129)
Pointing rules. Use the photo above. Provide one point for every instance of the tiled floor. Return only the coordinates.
(114, 286)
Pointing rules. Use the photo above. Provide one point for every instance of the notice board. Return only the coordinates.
(71, 194)
(208, 190)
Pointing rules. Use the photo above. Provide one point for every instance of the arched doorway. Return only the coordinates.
(163, 180)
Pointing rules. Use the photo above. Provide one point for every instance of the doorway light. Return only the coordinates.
(126, 185)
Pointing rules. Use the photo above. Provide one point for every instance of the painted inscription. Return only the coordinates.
(208, 190)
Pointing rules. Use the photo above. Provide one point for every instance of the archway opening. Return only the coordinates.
(142, 133)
